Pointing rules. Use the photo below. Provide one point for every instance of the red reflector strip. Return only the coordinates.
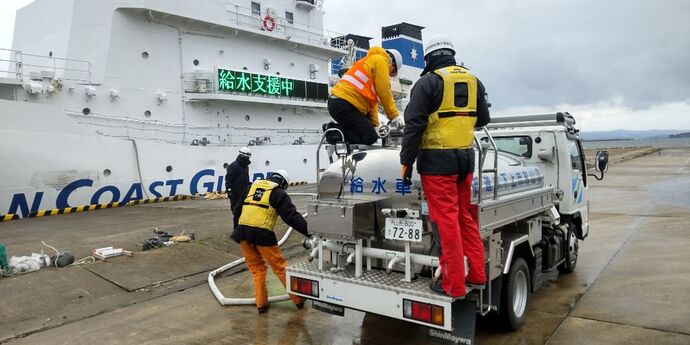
(423, 312)
(304, 286)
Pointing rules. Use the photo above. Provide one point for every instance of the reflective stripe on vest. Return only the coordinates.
(256, 210)
(452, 125)
(358, 78)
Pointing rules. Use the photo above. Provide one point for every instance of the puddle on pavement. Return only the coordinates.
(673, 192)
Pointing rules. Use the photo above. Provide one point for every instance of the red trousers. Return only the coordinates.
(449, 207)
(256, 257)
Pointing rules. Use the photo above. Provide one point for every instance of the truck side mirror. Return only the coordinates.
(602, 161)
(601, 164)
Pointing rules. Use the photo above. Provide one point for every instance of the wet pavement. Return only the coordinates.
(630, 285)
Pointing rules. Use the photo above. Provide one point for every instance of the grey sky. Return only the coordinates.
(614, 64)
(622, 60)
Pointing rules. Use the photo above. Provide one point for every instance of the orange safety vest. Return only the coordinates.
(358, 78)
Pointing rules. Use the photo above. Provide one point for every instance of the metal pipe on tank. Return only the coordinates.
(350, 258)
(314, 253)
(392, 263)
(377, 253)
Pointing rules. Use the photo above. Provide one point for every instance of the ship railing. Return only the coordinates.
(20, 65)
(288, 29)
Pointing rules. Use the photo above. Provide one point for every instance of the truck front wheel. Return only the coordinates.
(515, 295)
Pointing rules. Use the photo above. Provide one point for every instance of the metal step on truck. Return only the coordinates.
(374, 248)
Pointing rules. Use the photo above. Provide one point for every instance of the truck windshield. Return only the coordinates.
(518, 145)
(577, 158)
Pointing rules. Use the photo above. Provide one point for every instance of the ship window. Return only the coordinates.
(280, 119)
(145, 55)
(256, 8)
(168, 168)
(195, 62)
(289, 17)
(147, 113)
(517, 145)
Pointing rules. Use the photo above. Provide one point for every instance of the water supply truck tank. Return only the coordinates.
(378, 174)
(351, 208)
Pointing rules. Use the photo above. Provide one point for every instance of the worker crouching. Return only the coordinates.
(265, 201)
(354, 100)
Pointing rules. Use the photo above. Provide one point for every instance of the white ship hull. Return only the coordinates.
(113, 101)
(56, 164)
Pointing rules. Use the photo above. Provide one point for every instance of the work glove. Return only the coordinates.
(397, 122)
(407, 175)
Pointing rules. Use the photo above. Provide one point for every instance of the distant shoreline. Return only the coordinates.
(588, 140)
(659, 142)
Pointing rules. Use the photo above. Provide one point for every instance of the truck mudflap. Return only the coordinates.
(376, 291)
(465, 312)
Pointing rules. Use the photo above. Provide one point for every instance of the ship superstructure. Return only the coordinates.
(113, 101)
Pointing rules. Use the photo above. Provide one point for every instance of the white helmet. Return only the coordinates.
(281, 177)
(396, 60)
(438, 42)
(245, 151)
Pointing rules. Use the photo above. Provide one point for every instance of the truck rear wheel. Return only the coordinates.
(515, 295)
(571, 250)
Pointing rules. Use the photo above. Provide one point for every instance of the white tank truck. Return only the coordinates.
(374, 248)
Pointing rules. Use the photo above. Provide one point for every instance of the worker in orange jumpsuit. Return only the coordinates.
(265, 201)
(354, 100)
(446, 104)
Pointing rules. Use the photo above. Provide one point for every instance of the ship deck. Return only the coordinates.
(640, 218)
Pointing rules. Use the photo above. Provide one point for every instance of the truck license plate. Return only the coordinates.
(404, 229)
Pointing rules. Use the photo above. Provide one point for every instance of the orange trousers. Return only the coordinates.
(256, 257)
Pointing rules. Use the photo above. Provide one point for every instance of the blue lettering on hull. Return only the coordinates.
(204, 181)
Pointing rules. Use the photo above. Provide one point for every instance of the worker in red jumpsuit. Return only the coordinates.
(446, 104)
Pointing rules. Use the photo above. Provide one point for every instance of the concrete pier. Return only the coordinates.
(630, 285)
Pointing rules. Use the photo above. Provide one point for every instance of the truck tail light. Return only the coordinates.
(423, 312)
(304, 286)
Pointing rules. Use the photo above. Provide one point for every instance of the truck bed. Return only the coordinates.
(375, 278)
(375, 291)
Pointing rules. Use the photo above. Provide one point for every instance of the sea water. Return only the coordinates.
(661, 143)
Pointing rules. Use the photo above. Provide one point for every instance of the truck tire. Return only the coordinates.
(571, 250)
(515, 295)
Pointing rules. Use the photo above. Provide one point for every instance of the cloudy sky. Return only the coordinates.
(614, 64)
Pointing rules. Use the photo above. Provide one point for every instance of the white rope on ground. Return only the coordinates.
(249, 300)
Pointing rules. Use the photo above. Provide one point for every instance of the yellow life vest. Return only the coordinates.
(452, 125)
(256, 210)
